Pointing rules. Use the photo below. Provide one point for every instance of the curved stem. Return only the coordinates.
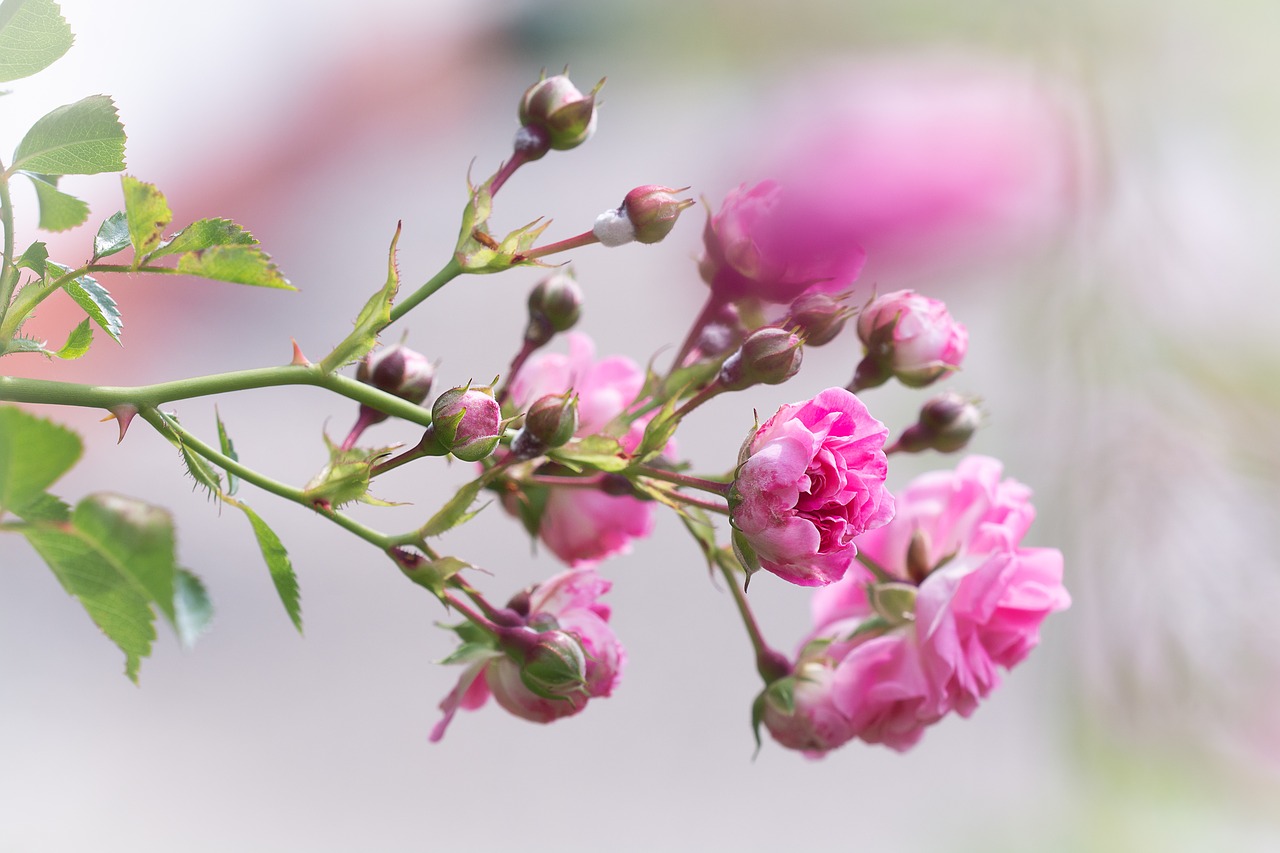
(447, 273)
(18, 390)
(709, 505)
(714, 303)
(713, 486)
(167, 426)
(770, 664)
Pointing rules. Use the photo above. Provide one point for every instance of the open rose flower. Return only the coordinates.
(813, 480)
(910, 337)
(585, 525)
(979, 600)
(566, 625)
(761, 245)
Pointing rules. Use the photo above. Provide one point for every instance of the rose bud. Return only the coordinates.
(553, 419)
(946, 424)
(555, 303)
(819, 317)
(467, 422)
(769, 356)
(554, 107)
(911, 337)
(398, 370)
(653, 211)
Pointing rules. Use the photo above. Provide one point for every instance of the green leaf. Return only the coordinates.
(22, 344)
(34, 453)
(205, 234)
(236, 264)
(372, 319)
(78, 342)
(147, 213)
(46, 507)
(58, 210)
(94, 299)
(470, 652)
(112, 236)
(659, 431)
(193, 612)
(699, 525)
(116, 556)
(33, 35)
(83, 138)
(229, 450)
(34, 257)
(278, 563)
(454, 512)
(601, 452)
(435, 574)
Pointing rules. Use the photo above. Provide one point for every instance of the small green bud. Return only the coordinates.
(563, 114)
(769, 356)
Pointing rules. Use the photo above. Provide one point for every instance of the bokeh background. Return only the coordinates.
(1091, 186)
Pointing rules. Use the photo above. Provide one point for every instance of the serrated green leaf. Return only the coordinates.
(58, 210)
(21, 344)
(229, 450)
(601, 452)
(205, 234)
(46, 507)
(34, 258)
(235, 264)
(117, 557)
(83, 138)
(279, 564)
(147, 213)
(454, 512)
(193, 612)
(94, 299)
(78, 342)
(34, 453)
(372, 319)
(33, 35)
(112, 236)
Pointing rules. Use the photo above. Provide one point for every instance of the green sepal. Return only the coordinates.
(112, 236)
(478, 252)
(279, 565)
(470, 653)
(228, 450)
(782, 694)
(746, 555)
(116, 555)
(456, 510)
(92, 297)
(658, 431)
(83, 138)
(78, 342)
(147, 212)
(34, 453)
(193, 611)
(372, 319)
(600, 452)
(34, 258)
(197, 467)
(345, 479)
(59, 211)
(33, 35)
(435, 574)
(757, 720)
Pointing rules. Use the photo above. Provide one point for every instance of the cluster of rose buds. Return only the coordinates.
(920, 596)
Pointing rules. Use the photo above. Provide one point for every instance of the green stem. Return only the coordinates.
(37, 292)
(18, 390)
(771, 664)
(8, 273)
(876, 569)
(709, 505)
(448, 273)
(713, 486)
(168, 427)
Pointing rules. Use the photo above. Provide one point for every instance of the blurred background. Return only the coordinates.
(1091, 186)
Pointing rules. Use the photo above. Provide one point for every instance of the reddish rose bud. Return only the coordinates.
(553, 419)
(911, 337)
(467, 422)
(653, 211)
(946, 424)
(769, 356)
(398, 370)
(819, 317)
(555, 108)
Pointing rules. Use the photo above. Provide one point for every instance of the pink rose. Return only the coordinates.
(761, 245)
(813, 481)
(565, 617)
(583, 525)
(980, 597)
(911, 337)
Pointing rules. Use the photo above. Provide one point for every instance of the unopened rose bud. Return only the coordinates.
(894, 602)
(946, 424)
(723, 332)
(911, 337)
(556, 666)
(653, 211)
(467, 422)
(819, 317)
(556, 108)
(398, 370)
(555, 303)
(769, 356)
(552, 419)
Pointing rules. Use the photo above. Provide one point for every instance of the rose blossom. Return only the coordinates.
(582, 525)
(762, 246)
(567, 604)
(813, 481)
(911, 337)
